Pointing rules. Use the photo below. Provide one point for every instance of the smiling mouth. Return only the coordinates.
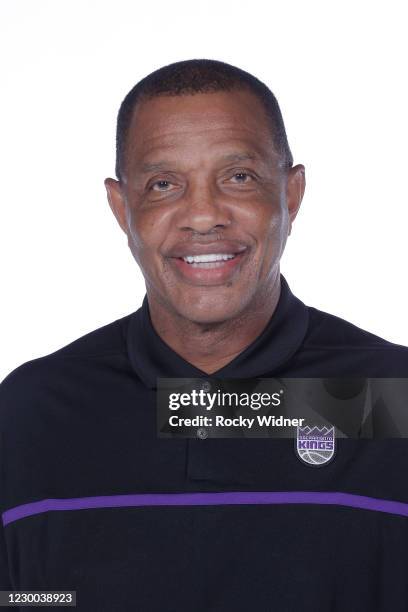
(209, 268)
(209, 261)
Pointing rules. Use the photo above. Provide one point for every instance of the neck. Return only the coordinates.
(209, 347)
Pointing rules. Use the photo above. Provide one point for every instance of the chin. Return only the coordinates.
(210, 311)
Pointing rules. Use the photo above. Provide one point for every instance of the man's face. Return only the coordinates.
(206, 203)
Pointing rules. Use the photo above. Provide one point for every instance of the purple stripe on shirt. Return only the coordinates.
(208, 499)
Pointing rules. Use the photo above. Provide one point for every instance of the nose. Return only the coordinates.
(203, 209)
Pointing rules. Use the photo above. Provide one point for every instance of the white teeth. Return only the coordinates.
(208, 258)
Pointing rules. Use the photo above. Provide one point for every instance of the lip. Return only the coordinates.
(224, 247)
(208, 276)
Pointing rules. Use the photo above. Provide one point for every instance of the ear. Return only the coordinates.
(117, 202)
(296, 183)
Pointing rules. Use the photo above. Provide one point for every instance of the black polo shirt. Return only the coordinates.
(92, 500)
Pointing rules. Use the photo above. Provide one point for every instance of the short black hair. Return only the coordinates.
(198, 76)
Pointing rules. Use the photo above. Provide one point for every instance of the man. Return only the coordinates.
(93, 500)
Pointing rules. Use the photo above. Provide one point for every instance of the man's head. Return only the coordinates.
(204, 168)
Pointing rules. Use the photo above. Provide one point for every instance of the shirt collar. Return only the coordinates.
(152, 358)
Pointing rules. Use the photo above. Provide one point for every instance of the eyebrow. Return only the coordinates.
(160, 165)
(240, 157)
(152, 167)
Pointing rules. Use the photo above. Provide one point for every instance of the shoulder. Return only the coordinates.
(333, 334)
(30, 380)
(330, 330)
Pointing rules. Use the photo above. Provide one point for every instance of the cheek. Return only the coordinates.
(276, 218)
(266, 224)
(148, 231)
(277, 230)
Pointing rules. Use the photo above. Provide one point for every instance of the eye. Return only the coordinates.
(242, 177)
(161, 185)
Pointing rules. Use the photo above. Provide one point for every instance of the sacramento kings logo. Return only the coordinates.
(315, 445)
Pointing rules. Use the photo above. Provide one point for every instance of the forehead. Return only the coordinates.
(200, 123)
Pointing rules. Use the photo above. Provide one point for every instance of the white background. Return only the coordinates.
(338, 70)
